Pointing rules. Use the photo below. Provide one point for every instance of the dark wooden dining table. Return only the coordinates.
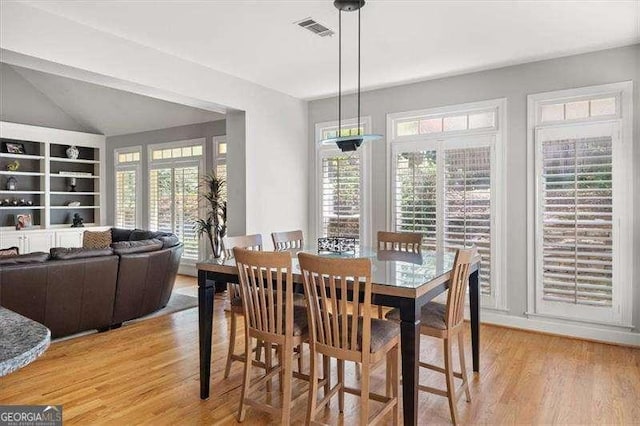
(406, 281)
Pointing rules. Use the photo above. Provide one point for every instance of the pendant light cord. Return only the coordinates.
(359, 9)
(339, 73)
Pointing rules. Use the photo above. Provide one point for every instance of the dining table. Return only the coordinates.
(402, 280)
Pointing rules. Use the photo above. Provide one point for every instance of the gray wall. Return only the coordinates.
(202, 130)
(21, 102)
(513, 83)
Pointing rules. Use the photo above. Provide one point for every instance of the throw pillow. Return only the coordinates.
(96, 240)
(9, 252)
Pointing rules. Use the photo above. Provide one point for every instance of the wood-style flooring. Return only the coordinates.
(147, 373)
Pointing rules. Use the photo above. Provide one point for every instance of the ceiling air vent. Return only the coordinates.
(315, 27)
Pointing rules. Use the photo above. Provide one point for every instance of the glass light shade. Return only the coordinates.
(350, 143)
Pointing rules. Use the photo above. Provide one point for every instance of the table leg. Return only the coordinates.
(206, 289)
(474, 305)
(410, 349)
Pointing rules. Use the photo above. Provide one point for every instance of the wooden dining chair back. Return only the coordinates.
(251, 242)
(454, 316)
(400, 241)
(287, 240)
(338, 294)
(266, 287)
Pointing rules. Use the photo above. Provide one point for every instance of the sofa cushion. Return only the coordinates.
(66, 253)
(142, 246)
(9, 252)
(96, 240)
(169, 241)
(36, 257)
(120, 234)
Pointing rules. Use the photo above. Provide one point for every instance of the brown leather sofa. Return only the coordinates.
(72, 290)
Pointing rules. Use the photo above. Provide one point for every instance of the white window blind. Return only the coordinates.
(340, 194)
(467, 204)
(577, 221)
(127, 187)
(126, 213)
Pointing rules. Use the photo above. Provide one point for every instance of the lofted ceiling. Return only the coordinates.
(104, 110)
(403, 40)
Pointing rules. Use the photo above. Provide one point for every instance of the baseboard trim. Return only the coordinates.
(583, 332)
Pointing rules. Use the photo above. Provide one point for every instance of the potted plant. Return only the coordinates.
(214, 225)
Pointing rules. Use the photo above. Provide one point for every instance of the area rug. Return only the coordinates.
(177, 302)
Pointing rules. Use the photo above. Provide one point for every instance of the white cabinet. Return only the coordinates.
(28, 242)
(69, 238)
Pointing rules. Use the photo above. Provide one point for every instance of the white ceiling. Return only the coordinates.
(109, 111)
(402, 40)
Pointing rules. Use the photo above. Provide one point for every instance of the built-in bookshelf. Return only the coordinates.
(49, 185)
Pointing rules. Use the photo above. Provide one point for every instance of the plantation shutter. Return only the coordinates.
(340, 194)
(415, 187)
(160, 200)
(576, 204)
(186, 209)
(125, 198)
(467, 204)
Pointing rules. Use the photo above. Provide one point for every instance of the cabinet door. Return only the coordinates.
(12, 239)
(38, 241)
(69, 239)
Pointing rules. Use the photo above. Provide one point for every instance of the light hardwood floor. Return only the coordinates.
(147, 373)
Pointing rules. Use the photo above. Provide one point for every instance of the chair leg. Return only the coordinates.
(451, 390)
(232, 344)
(396, 385)
(388, 373)
(245, 380)
(300, 358)
(326, 372)
(380, 312)
(287, 367)
(267, 359)
(463, 367)
(364, 396)
(313, 388)
(341, 384)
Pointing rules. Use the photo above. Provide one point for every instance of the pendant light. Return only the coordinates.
(351, 142)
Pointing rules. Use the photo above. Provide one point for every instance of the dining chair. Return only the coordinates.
(338, 293)
(252, 242)
(446, 322)
(287, 240)
(266, 288)
(410, 242)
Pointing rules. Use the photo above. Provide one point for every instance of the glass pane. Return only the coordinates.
(196, 150)
(176, 152)
(157, 155)
(407, 128)
(327, 134)
(121, 158)
(432, 125)
(222, 148)
(482, 120)
(340, 196)
(166, 153)
(553, 112)
(605, 106)
(186, 151)
(576, 110)
(458, 122)
(136, 156)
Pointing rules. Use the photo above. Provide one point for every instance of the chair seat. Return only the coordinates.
(382, 331)
(236, 302)
(432, 315)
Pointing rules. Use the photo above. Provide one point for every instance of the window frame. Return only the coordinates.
(199, 161)
(135, 166)
(622, 219)
(364, 151)
(498, 299)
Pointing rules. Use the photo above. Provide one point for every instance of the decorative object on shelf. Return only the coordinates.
(13, 166)
(12, 184)
(72, 184)
(5, 202)
(22, 202)
(13, 147)
(215, 222)
(348, 142)
(23, 221)
(77, 221)
(14, 202)
(73, 203)
(73, 152)
(336, 245)
(29, 203)
(79, 174)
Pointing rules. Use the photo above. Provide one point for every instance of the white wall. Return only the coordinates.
(276, 124)
(513, 83)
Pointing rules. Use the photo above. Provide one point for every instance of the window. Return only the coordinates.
(582, 225)
(127, 187)
(447, 186)
(174, 178)
(341, 176)
(220, 156)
